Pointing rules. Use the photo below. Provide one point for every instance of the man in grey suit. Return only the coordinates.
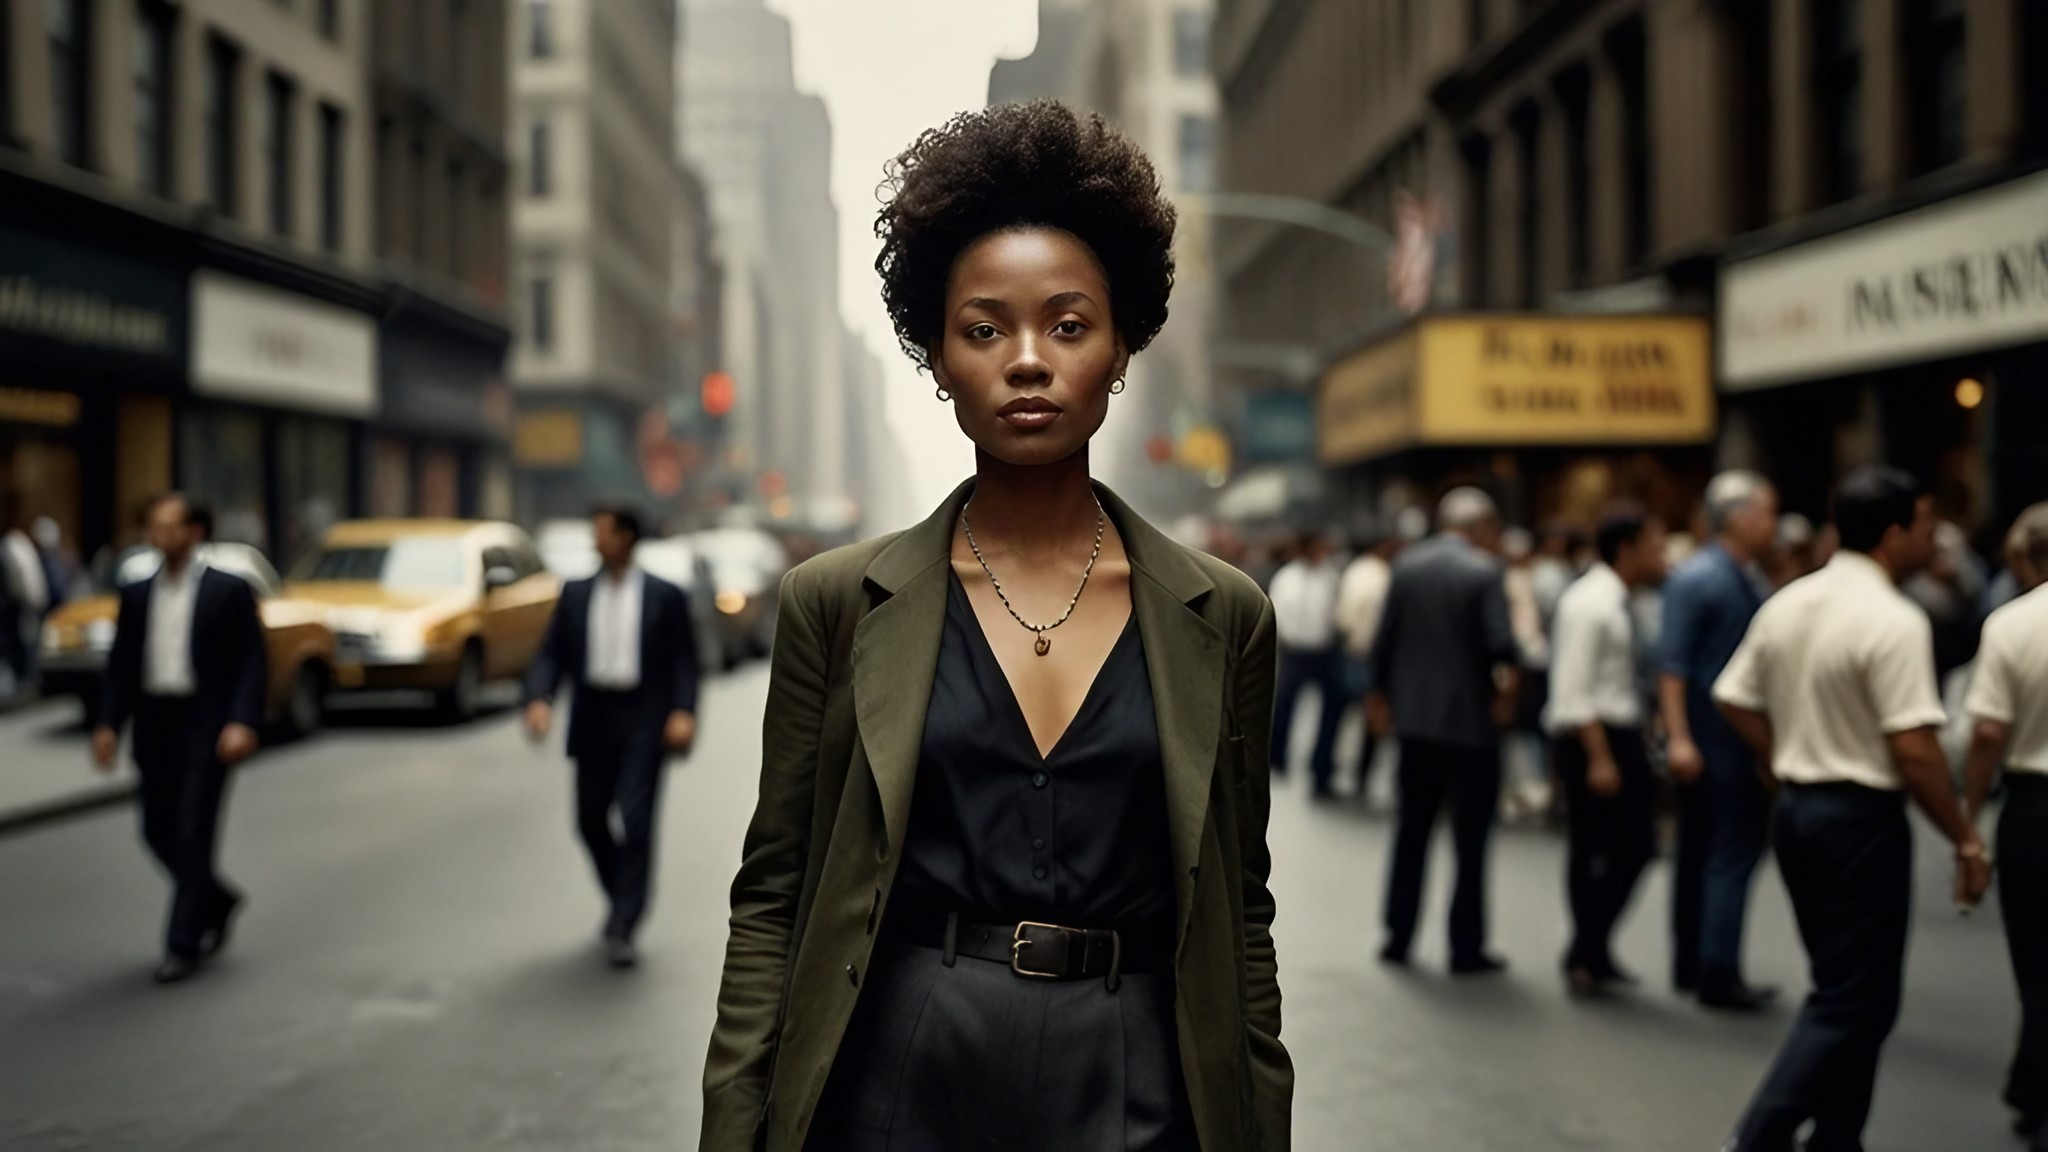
(1443, 676)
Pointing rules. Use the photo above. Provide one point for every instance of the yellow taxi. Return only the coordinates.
(300, 645)
(441, 605)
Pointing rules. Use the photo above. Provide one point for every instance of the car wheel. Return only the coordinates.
(307, 706)
(462, 700)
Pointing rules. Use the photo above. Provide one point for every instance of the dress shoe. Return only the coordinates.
(620, 953)
(1480, 965)
(174, 968)
(1394, 956)
(215, 939)
(1580, 981)
(1612, 973)
(1735, 996)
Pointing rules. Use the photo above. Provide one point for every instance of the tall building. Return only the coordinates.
(764, 151)
(188, 287)
(594, 199)
(439, 442)
(1636, 233)
(1144, 65)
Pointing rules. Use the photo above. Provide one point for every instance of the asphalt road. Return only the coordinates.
(418, 970)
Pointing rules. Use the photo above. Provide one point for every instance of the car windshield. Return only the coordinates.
(669, 560)
(425, 562)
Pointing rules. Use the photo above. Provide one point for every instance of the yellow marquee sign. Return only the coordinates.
(1520, 380)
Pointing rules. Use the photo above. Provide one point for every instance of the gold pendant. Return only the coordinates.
(1044, 644)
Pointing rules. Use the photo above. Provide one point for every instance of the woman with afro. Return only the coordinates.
(1006, 883)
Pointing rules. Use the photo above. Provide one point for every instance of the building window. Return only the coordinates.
(153, 96)
(329, 17)
(540, 307)
(279, 96)
(458, 57)
(1838, 96)
(458, 220)
(1753, 121)
(1527, 124)
(70, 37)
(333, 149)
(1191, 42)
(1936, 90)
(1197, 154)
(540, 28)
(1478, 154)
(418, 174)
(540, 180)
(223, 68)
(1628, 52)
(1574, 96)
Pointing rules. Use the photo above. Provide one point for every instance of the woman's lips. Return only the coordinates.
(1029, 412)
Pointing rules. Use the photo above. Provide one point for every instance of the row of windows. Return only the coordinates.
(71, 63)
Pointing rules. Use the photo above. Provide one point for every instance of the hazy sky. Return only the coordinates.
(887, 70)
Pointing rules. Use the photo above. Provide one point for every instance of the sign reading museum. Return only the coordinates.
(1962, 276)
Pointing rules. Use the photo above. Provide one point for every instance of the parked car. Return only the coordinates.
(569, 549)
(300, 644)
(747, 566)
(441, 605)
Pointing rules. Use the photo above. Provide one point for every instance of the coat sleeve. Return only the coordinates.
(544, 675)
(252, 671)
(765, 893)
(1272, 1071)
(122, 677)
(686, 674)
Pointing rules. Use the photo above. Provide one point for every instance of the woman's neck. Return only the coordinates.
(1042, 507)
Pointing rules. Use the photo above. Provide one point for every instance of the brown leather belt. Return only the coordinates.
(1039, 951)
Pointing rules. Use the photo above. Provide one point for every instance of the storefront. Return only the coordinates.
(1555, 414)
(1919, 340)
(439, 442)
(573, 449)
(281, 383)
(92, 348)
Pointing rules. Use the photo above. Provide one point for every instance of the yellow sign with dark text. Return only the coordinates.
(1526, 380)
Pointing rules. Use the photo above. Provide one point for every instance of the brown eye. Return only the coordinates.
(982, 332)
(1070, 328)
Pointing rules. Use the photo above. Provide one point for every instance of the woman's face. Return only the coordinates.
(1028, 350)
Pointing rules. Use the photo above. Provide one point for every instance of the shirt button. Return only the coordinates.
(1038, 780)
(1038, 844)
(1038, 872)
(853, 975)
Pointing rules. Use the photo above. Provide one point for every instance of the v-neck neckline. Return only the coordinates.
(987, 652)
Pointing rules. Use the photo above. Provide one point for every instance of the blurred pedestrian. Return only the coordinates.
(1833, 686)
(24, 598)
(623, 641)
(2008, 703)
(1595, 717)
(1007, 877)
(1361, 600)
(1444, 683)
(1304, 598)
(1795, 553)
(1555, 566)
(1723, 807)
(188, 667)
(1526, 764)
(1950, 590)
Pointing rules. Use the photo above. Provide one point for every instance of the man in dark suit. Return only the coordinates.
(1443, 678)
(624, 641)
(187, 667)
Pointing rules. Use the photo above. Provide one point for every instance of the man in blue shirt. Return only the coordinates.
(1724, 808)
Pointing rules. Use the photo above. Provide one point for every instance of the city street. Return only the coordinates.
(418, 969)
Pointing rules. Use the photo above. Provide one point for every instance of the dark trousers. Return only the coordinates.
(1612, 840)
(1847, 857)
(1431, 775)
(2023, 898)
(1298, 670)
(1723, 826)
(619, 765)
(183, 787)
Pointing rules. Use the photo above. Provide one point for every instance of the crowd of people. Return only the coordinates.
(1765, 682)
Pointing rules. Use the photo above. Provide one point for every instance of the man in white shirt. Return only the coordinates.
(2008, 701)
(625, 643)
(1304, 595)
(1361, 598)
(188, 666)
(1595, 718)
(1833, 685)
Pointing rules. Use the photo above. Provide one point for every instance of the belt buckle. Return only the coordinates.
(1019, 941)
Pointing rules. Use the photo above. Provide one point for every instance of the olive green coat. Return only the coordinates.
(856, 647)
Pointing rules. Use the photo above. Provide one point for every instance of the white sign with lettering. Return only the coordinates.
(1962, 276)
(265, 345)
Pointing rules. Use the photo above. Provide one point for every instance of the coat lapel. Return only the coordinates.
(896, 655)
(1187, 660)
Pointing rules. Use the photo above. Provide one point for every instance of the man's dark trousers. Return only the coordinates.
(1846, 853)
(183, 784)
(619, 763)
(2023, 898)
(1612, 840)
(1723, 827)
(1299, 669)
(1433, 773)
